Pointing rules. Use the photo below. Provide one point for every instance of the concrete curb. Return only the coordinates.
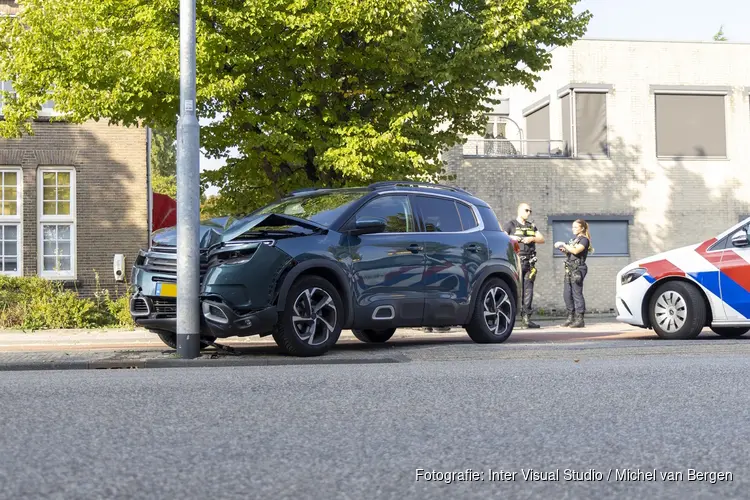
(205, 361)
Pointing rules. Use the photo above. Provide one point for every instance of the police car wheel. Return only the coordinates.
(730, 332)
(677, 311)
(374, 336)
(494, 313)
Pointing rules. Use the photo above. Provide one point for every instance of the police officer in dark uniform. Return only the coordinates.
(526, 233)
(576, 250)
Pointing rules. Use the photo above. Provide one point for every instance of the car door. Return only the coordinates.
(388, 268)
(735, 276)
(454, 249)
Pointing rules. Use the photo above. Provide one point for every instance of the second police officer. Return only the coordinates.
(526, 233)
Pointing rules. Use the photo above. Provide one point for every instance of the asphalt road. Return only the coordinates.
(362, 431)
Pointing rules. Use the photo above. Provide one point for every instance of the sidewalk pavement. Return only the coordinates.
(139, 338)
(82, 349)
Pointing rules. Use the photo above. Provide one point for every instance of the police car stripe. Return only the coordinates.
(729, 263)
(661, 269)
(731, 293)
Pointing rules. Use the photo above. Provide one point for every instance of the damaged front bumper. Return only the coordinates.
(236, 297)
(217, 319)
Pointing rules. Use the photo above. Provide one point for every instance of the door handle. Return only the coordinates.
(473, 247)
(415, 248)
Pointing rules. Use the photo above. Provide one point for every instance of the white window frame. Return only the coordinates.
(499, 123)
(15, 219)
(56, 219)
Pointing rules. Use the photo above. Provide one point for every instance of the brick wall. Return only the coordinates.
(673, 202)
(111, 196)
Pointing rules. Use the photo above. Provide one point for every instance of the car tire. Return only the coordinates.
(730, 332)
(496, 300)
(170, 339)
(300, 330)
(374, 336)
(677, 311)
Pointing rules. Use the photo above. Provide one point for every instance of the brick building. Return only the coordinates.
(73, 197)
(646, 140)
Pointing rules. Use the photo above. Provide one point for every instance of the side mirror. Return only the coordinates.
(740, 239)
(368, 225)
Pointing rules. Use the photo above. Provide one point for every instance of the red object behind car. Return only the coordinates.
(164, 211)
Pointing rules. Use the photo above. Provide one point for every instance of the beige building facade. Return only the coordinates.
(646, 140)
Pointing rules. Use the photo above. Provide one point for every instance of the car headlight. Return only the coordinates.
(632, 275)
(235, 253)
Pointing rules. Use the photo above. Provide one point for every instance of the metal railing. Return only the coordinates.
(508, 148)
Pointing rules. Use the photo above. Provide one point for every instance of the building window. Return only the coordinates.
(609, 234)
(5, 86)
(495, 128)
(495, 139)
(10, 221)
(537, 132)
(690, 125)
(57, 242)
(584, 121)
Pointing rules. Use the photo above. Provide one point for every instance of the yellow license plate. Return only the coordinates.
(166, 290)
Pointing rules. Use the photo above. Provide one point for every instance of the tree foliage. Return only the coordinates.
(312, 92)
(164, 162)
(719, 36)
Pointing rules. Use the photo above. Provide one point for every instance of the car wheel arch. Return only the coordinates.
(502, 271)
(655, 286)
(326, 270)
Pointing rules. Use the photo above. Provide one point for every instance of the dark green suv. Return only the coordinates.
(391, 255)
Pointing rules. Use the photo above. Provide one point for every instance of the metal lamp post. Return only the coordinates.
(188, 194)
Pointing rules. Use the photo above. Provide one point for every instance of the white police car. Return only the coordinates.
(678, 293)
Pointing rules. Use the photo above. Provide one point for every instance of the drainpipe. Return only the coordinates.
(149, 196)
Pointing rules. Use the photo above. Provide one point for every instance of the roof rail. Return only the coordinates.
(303, 191)
(386, 184)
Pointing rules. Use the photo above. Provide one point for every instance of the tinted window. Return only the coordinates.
(468, 221)
(489, 218)
(395, 210)
(439, 215)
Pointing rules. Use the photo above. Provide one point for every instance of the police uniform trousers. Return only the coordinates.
(573, 291)
(528, 286)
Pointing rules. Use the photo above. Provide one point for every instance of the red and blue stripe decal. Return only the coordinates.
(730, 281)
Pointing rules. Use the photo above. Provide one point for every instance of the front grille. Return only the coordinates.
(163, 260)
(165, 307)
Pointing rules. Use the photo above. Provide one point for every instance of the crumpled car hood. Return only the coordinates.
(222, 229)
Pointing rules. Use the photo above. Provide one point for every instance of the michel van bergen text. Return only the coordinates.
(533, 475)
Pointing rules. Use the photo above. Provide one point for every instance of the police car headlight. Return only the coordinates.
(632, 275)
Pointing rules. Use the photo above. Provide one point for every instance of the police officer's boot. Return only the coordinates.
(527, 323)
(578, 323)
(569, 321)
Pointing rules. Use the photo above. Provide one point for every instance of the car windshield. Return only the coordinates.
(321, 208)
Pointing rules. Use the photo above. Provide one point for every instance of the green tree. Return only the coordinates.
(719, 36)
(311, 92)
(164, 161)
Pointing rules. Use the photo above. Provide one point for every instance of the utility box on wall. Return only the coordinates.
(118, 267)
